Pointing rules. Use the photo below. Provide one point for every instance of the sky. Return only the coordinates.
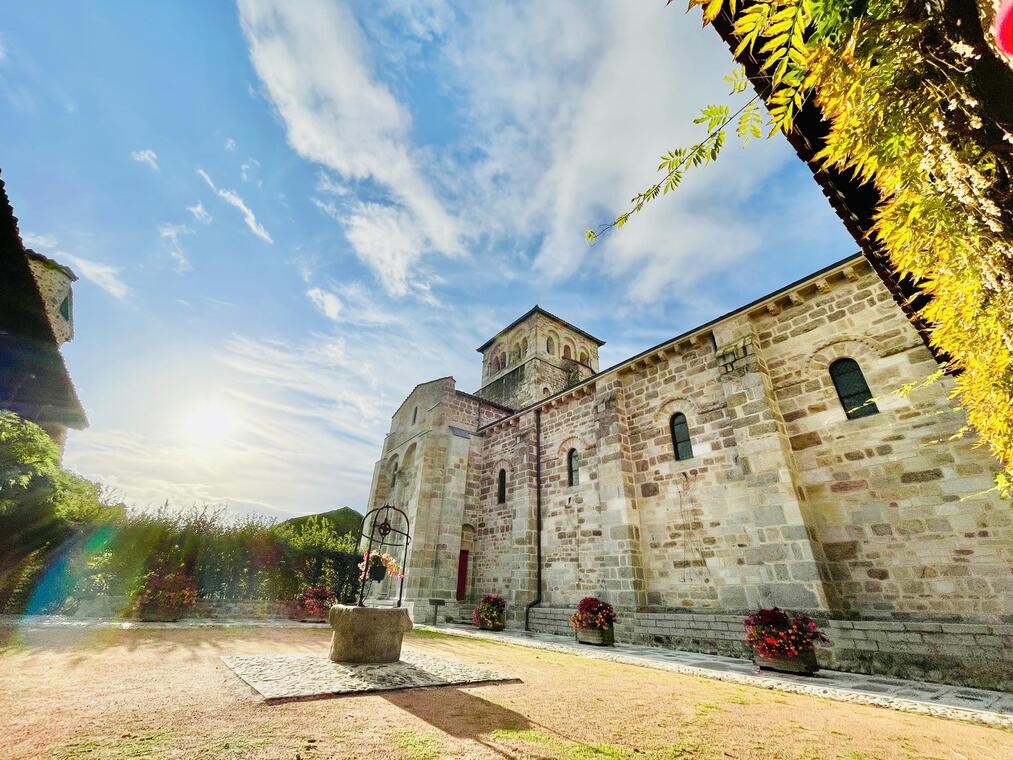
(286, 215)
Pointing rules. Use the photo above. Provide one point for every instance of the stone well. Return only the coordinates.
(367, 634)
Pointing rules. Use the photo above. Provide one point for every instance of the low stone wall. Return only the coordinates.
(111, 607)
(965, 654)
(969, 654)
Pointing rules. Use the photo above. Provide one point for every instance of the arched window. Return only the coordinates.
(545, 392)
(550, 347)
(566, 353)
(524, 347)
(583, 358)
(502, 361)
(681, 444)
(393, 476)
(573, 468)
(852, 390)
(501, 488)
(415, 415)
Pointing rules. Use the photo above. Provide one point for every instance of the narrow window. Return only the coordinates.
(566, 353)
(501, 488)
(550, 347)
(65, 308)
(545, 392)
(681, 444)
(583, 359)
(393, 477)
(852, 390)
(524, 347)
(573, 468)
(462, 575)
(415, 415)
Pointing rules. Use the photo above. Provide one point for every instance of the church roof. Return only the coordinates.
(52, 264)
(536, 309)
(34, 381)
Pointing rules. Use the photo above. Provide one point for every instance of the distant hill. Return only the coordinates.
(345, 520)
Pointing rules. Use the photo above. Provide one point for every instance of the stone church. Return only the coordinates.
(761, 459)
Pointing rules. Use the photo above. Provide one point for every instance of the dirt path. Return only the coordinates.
(121, 694)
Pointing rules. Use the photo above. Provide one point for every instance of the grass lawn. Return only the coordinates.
(165, 694)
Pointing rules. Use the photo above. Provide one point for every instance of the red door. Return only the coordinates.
(462, 575)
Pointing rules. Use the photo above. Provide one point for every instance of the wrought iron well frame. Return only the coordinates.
(385, 529)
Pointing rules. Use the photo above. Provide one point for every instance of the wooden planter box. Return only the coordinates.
(602, 637)
(804, 664)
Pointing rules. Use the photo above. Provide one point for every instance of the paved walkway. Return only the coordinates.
(40, 622)
(994, 708)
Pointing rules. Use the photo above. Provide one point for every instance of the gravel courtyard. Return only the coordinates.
(137, 693)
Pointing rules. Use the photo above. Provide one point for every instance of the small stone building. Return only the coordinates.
(36, 318)
(761, 459)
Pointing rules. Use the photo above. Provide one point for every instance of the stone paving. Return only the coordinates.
(285, 677)
(994, 708)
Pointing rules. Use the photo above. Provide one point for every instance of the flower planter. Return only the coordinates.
(601, 637)
(803, 664)
(495, 625)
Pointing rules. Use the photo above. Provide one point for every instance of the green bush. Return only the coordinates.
(61, 544)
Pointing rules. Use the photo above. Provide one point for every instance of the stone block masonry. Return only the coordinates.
(966, 654)
(778, 495)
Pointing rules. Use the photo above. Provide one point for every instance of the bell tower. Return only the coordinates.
(535, 356)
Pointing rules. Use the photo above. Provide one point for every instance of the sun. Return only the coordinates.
(208, 425)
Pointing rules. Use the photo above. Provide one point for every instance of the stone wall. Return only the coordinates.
(961, 653)
(903, 512)
(882, 520)
(54, 286)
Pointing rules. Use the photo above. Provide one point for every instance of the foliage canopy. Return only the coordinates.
(920, 105)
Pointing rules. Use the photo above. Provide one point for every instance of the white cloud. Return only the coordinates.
(170, 234)
(146, 156)
(572, 114)
(383, 238)
(233, 199)
(328, 185)
(328, 303)
(230, 144)
(329, 208)
(248, 168)
(43, 242)
(200, 213)
(3, 51)
(313, 62)
(351, 303)
(105, 276)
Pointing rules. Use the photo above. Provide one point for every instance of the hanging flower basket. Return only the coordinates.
(593, 622)
(380, 566)
(784, 643)
(377, 572)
